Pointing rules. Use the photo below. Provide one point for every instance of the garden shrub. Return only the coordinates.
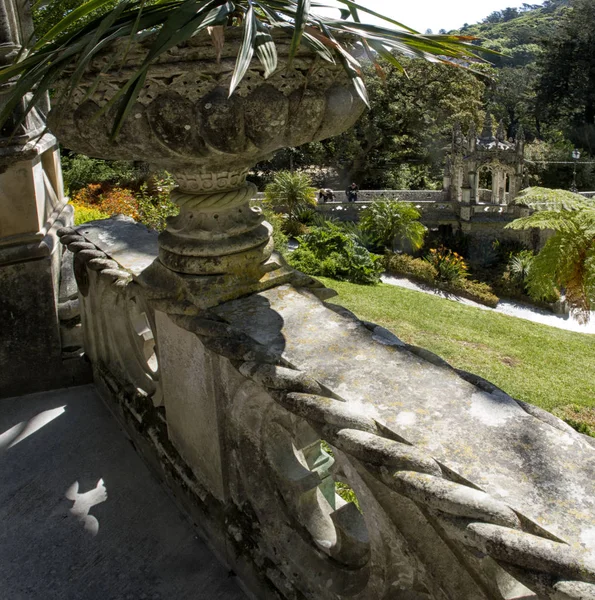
(291, 191)
(330, 252)
(84, 214)
(414, 268)
(519, 265)
(151, 209)
(154, 208)
(305, 215)
(79, 171)
(424, 272)
(505, 249)
(508, 286)
(394, 224)
(450, 265)
(476, 291)
(360, 236)
(292, 228)
(107, 199)
(512, 281)
(279, 237)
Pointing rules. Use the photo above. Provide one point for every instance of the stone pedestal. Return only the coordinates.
(32, 209)
(37, 350)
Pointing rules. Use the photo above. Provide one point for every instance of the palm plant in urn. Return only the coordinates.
(205, 89)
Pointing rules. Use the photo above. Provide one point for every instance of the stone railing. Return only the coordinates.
(259, 410)
(403, 195)
(434, 206)
(432, 211)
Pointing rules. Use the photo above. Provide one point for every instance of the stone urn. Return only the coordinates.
(186, 122)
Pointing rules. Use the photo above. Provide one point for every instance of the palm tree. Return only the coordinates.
(394, 224)
(292, 191)
(567, 261)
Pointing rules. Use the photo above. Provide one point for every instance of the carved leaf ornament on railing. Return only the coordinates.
(468, 516)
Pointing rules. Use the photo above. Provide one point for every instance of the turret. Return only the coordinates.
(472, 138)
(501, 133)
(520, 141)
(487, 133)
(457, 138)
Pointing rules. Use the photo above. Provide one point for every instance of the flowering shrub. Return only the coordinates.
(107, 199)
(119, 201)
(421, 270)
(150, 205)
(450, 265)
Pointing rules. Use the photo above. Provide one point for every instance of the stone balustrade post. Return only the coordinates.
(32, 208)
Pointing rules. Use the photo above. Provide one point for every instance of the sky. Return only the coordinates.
(435, 14)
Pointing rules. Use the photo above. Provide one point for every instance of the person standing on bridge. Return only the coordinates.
(351, 192)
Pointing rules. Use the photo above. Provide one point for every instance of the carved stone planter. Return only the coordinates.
(185, 122)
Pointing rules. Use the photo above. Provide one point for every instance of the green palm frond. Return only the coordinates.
(75, 41)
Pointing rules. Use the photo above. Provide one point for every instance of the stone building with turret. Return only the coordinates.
(484, 169)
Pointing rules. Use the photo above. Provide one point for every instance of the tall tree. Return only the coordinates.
(566, 88)
(49, 13)
(399, 142)
(511, 98)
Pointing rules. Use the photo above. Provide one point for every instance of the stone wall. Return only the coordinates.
(463, 492)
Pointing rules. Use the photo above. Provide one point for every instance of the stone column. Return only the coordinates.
(447, 179)
(474, 186)
(32, 208)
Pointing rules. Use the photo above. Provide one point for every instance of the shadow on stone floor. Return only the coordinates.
(83, 518)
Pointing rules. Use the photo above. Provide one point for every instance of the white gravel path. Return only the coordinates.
(506, 307)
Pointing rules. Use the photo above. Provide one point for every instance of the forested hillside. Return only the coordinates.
(545, 82)
(519, 33)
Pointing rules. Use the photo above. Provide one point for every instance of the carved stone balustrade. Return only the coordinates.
(463, 493)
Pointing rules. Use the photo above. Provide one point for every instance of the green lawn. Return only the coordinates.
(549, 367)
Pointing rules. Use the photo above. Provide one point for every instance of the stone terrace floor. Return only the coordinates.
(81, 516)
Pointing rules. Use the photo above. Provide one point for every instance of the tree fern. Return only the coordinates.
(567, 261)
(542, 199)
